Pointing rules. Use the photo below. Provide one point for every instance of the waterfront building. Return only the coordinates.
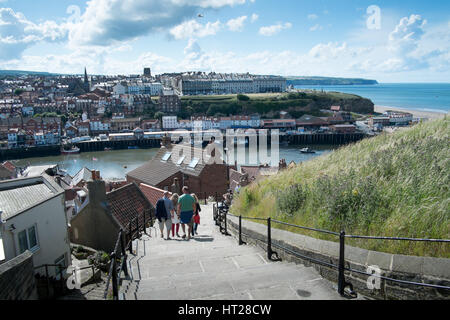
(170, 122)
(343, 128)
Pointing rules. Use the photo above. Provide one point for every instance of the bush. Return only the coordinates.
(290, 199)
(243, 97)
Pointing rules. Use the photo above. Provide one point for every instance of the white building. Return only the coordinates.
(33, 218)
(170, 122)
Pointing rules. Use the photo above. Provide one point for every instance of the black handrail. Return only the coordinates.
(342, 283)
(120, 253)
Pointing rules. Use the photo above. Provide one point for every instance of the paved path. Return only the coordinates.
(213, 266)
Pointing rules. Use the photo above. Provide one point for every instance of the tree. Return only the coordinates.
(159, 115)
(243, 97)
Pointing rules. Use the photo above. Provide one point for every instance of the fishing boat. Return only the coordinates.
(133, 147)
(108, 149)
(307, 150)
(73, 150)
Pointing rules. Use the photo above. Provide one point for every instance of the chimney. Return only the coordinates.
(97, 193)
(166, 141)
(176, 186)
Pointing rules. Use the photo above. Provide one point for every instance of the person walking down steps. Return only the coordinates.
(196, 219)
(186, 208)
(175, 216)
(164, 209)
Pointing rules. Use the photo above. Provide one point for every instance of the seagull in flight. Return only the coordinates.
(200, 15)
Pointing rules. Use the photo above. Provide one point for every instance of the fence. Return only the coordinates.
(118, 257)
(220, 216)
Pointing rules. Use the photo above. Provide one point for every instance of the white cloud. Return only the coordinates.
(274, 29)
(107, 21)
(255, 17)
(192, 28)
(316, 27)
(17, 33)
(312, 16)
(236, 24)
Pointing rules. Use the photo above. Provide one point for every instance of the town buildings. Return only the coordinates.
(170, 165)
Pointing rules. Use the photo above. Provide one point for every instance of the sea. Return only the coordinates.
(414, 96)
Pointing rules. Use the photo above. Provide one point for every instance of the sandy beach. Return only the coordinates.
(416, 113)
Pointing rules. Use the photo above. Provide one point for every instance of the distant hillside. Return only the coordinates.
(24, 73)
(269, 105)
(326, 81)
(391, 185)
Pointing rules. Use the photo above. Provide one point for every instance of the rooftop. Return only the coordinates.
(19, 195)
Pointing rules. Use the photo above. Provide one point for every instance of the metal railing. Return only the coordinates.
(220, 216)
(123, 243)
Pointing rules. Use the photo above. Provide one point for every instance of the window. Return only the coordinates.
(194, 163)
(28, 240)
(166, 156)
(180, 161)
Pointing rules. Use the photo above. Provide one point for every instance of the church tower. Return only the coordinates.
(86, 84)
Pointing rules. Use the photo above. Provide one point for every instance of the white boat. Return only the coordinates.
(307, 150)
(73, 150)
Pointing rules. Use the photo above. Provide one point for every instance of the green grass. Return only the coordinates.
(390, 185)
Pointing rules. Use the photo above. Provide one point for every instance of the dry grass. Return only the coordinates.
(391, 185)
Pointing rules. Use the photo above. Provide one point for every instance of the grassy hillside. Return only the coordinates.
(269, 105)
(391, 185)
(327, 81)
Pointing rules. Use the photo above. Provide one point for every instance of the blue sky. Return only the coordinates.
(391, 41)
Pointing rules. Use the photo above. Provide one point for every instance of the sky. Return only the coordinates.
(387, 40)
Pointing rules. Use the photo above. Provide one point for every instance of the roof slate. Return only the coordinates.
(128, 202)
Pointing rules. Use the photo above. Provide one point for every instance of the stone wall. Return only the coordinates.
(408, 268)
(17, 281)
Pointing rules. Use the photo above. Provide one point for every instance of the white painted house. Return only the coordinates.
(33, 218)
(170, 122)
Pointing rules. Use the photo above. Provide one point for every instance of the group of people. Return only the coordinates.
(176, 210)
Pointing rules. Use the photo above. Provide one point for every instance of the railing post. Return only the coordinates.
(206, 202)
(130, 245)
(48, 281)
(217, 201)
(225, 221)
(341, 276)
(240, 231)
(269, 239)
(61, 279)
(114, 277)
(137, 227)
(145, 226)
(124, 253)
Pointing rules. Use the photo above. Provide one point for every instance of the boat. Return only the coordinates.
(307, 150)
(108, 149)
(133, 147)
(73, 150)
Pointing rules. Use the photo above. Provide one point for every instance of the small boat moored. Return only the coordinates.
(73, 150)
(307, 150)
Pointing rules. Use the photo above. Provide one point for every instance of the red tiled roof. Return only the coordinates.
(151, 193)
(8, 165)
(128, 202)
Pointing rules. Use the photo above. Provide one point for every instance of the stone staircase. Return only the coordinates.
(214, 266)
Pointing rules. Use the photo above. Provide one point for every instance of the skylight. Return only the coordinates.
(194, 163)
(180, 161)
(166, 156)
